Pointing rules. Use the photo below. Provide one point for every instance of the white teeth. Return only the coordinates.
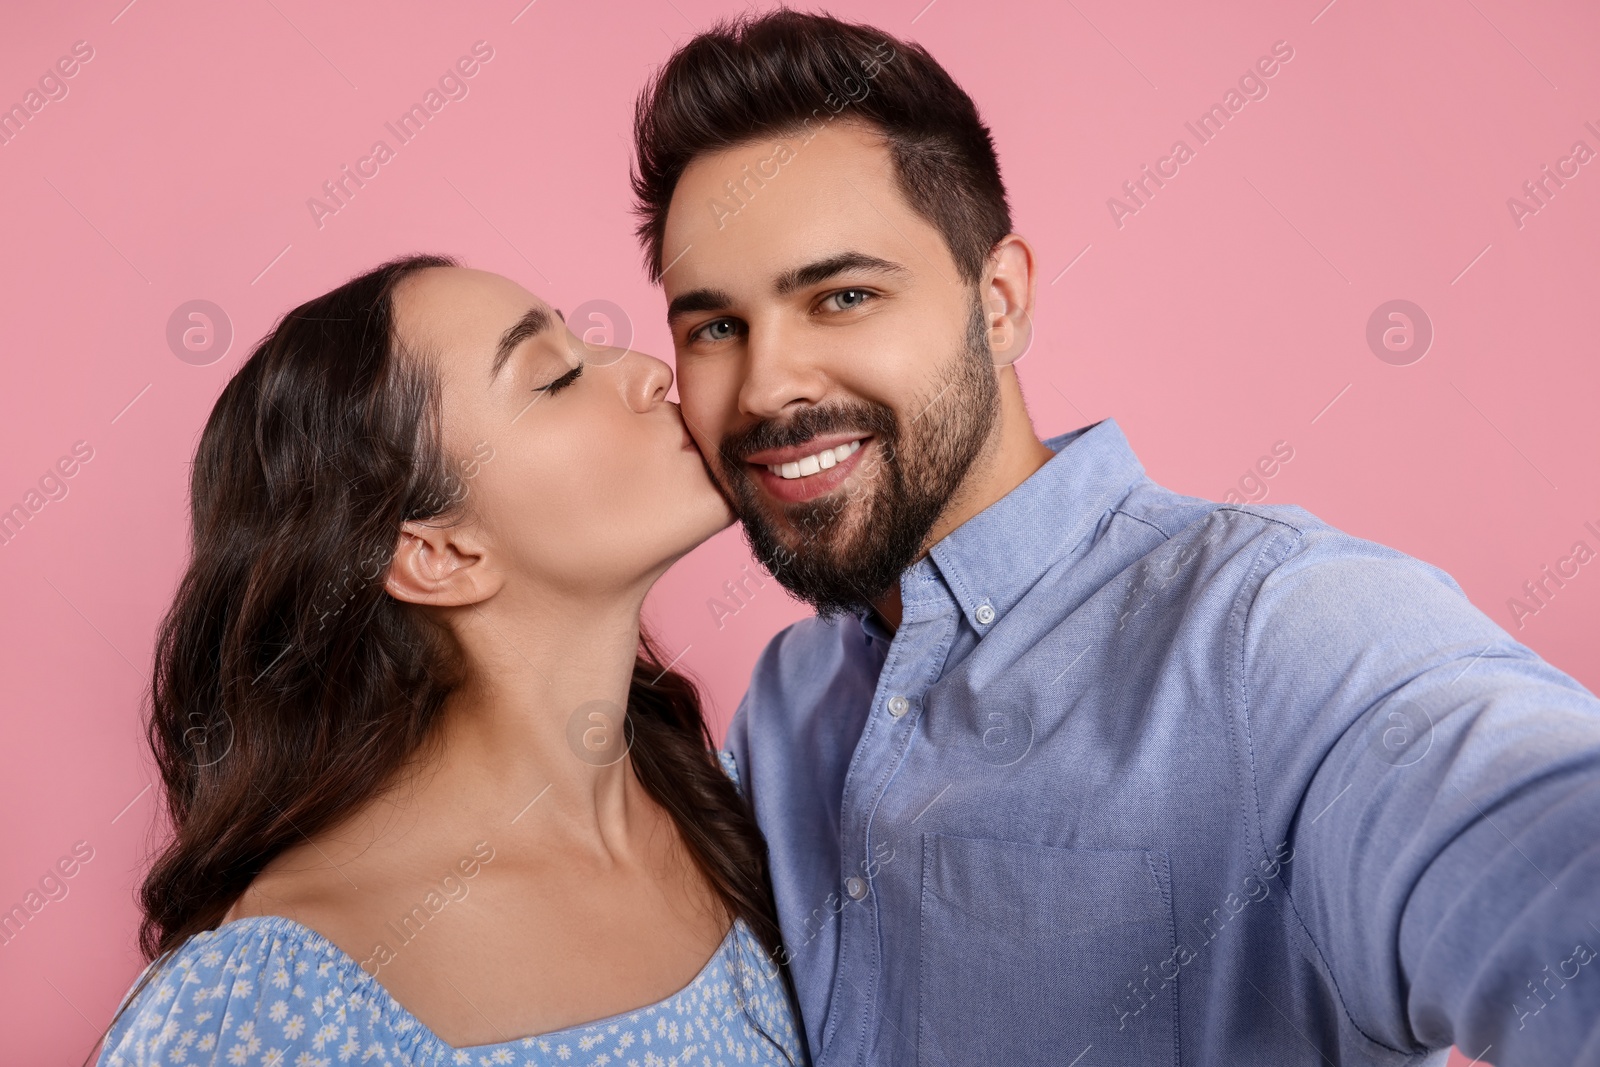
(819, 461)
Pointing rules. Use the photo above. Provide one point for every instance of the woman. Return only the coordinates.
(413, 824)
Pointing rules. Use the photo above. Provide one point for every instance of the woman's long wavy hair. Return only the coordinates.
(289, 688)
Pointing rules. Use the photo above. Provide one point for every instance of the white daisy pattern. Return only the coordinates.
(221, 998)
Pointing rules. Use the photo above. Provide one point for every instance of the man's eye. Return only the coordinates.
(847, 299)
(561, 382)
(715, 330)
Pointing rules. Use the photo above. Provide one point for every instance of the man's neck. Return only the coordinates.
(1011, 456)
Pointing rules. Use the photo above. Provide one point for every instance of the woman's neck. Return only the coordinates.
(531, 755)
(540, 721)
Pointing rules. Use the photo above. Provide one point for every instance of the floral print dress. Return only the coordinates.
(265, 991)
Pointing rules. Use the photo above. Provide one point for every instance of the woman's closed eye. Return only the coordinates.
(561, 382)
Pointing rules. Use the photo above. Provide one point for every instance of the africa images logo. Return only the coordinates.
(452, 85)
(1252, 85)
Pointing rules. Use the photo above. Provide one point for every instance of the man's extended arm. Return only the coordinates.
(1441, 788)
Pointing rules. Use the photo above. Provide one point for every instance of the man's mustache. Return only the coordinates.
(874, 420)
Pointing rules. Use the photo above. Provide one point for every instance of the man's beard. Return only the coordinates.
(838, 565)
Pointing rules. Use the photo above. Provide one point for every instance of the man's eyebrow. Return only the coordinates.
(534, 321)
(800, 277)
(811, 273)
(698, 300)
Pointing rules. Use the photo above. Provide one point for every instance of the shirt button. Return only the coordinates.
(985, 614)
(898, 706)
(856, 887)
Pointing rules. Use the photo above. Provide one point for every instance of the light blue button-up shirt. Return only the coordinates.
(1147, 779)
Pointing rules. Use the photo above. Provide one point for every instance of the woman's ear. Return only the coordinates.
(440, 566)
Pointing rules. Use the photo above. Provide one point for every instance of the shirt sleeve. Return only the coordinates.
(247, 996)
(730, 767)
(736, 745)
(1439, 786)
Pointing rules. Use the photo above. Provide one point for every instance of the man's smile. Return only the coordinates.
(803, 472)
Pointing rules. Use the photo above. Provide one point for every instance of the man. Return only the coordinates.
(1069, 768)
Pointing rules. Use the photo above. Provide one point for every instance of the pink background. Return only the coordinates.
(1227, 314)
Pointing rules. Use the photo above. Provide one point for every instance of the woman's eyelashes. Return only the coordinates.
(561, 382)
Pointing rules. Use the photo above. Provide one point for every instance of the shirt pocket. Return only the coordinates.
(1032, 954)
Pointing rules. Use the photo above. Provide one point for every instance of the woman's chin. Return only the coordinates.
(688, 518)
(686, 509)
(719, 514)
(696, 523)
(715, 503)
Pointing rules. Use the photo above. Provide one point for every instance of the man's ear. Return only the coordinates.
(1007, 293)
(439, 565)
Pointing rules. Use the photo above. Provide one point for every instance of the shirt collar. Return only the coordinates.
(990, 561)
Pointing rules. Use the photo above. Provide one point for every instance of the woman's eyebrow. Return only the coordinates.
(534, 321)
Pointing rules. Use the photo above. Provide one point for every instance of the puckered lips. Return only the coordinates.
(806, 471)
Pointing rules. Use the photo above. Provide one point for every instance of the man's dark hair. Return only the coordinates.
(787, 72)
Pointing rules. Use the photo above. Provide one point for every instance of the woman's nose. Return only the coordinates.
(645, 380)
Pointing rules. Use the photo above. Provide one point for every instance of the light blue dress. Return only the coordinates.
(265, 991)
